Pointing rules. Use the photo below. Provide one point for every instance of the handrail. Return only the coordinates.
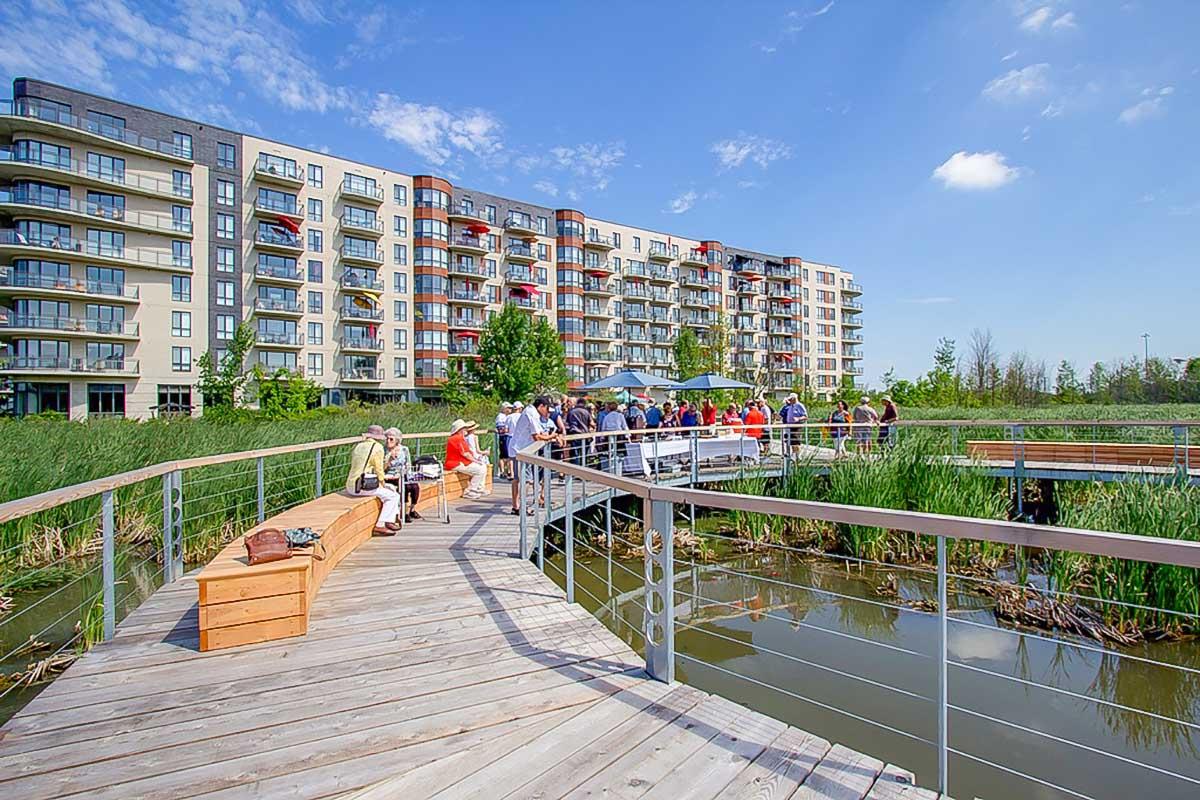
(24, 506)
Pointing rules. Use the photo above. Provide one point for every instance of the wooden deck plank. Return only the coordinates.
(897, 783)
(842, 775)
(780, 769)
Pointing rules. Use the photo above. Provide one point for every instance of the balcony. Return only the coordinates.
(522, 276)
(465, 323)
(468, 297)
(360, 344)
(600, 356)
(71, 210)
(661, 298)
(695, 258)
(282, 341)
(852, 288)
(67, 326)
(635, 357)
(592, 286)
(58, 169)
(361, 190)
(853, 304)
(522, 224)
(598, 311)
(353, 282)
(780, 272)
(660, 316)
(281, 171)
(600, 269)
(747, 288)
(637, 290)
(468, 348)
(781, 311)
(699, 320)
(692, 300)
(270, 208)
(267, 273)
(599, 332)
(851, 352)
(462, 213)
(28, 285)
(520, 254)
(850, 336)
(661, 275)
(372, 256)
(27, 113)
(635, 312)
(855, 371)
(598, 242)
(265, 307)
(851, 321)
(58, 248)
(278, 241)
(356, 313)
(69, 366)
(362, 226)
(660, 253)
(526, 303)
(469, 244)
(468, 269)
(361, 374)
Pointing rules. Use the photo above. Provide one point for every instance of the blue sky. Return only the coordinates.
(1028, 167)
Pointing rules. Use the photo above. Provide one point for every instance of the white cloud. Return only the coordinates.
(683, 202)
(1026, 133)
(547, 187)
(1065, 22)
(572, 195)
(1155, 105)
(749, 184)
(434, 133)
(976, 171)
(1037, 20)
(594, 161)
(734, 152)
(1052, 110)
(1010, 56)
(310, 11)
(1018, 84)
(823, 9)
(1184, 211)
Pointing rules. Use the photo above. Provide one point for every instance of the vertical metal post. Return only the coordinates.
(1181, 464)
(320, 483)
(658, 626)
(521, 508)
(262, 504)
(954, 440)
(695, 445)
(546, 454)
(608, 540)
(569, 535)
(176, 525)
(108, 567)
(168, 528)
(943, 697)
(1018, 435)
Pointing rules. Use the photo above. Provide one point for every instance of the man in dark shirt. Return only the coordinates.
(579, 420)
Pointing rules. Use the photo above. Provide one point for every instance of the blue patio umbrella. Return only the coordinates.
(632, 379)
(711, 380)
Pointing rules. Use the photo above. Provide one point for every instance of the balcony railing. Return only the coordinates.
(122, 366)
(69, 324)
(519, 251)
(97, 210)
(459, 210)
(473, 242)
(361, 373)
(283, 306)
(597, 286)
(32, 109)
(364, 189)
(520, 222)
(636, 313)
(136, 183)
(289, 208)
(282, 168)
(599, 333)
(468, 296)
(372, 254)
(24, 280)
(522, 275)
(267, 338)
(361, 343)
(661, 274)
(352, 280)
(464, 348)
(848, 303)
(851, 336)
(468, 268)
(596, 240)
(852, 288)
(660, 251)
(597, 309)
(468, 323)
(278, 239)
(522, 302)
(68, 244)
(368, 224)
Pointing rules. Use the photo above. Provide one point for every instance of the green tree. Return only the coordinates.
(1067, 386)
(457, 389)
(284, 394)
(944, 380)
(223, 384)
(518, 357)
(690, 359)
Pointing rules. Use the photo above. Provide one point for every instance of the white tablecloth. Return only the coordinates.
(639, 455)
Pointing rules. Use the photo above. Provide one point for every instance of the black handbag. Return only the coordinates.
(367, 482)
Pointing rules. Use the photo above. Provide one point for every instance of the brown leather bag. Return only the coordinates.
(267, 545)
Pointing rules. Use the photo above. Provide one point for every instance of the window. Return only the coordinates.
(400, 339)
(109, 168)
(225, 193)
(181, 288)
(400, 282)
(431, 229)
(316, 271)
(181, 359)
(316, 241)
(431, 198)
(400, 310)
(316, 303)
(224, 226)
(97, 121)
(181, 254)
(431, 257)
(316, 364)
(316, 333)
(226, 155)
(400, 254)
(106, 398)
(224, 327)
(181, 323)
(224, 259)
(400, 367)
(182, 144)
(399, 194)
(491, 214)
(400, 225)
(225, 293)
(616, 237)
(543, 252)
(181, 183)
(637, 244)
(316, 176)
(174, 399)
(543, 226)
(181, 218)
(316, 210)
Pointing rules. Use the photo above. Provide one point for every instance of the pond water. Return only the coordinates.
(790, 651)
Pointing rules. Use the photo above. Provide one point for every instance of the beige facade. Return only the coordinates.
(123, 258)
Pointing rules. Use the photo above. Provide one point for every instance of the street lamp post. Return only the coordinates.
(1146, 356)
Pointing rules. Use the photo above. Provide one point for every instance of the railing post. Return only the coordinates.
(320, 483)
(262, 505)
(695, 445)
(608, 540)
(1018, 436)
(108, 567)
(523, 523)
(954, 440)
(547, 454)
(176, 536)
(658, 627)
(569, 535)
(167, 528)
(1181, 451)
(943, 731)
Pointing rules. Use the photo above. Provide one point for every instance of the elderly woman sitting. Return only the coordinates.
(399, 471)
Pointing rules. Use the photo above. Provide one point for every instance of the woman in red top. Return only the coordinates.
(708, 412)
(731, 417)
(754, 418)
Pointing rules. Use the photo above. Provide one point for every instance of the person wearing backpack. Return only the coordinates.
(366, 478)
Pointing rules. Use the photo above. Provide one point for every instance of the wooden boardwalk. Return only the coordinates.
(437, 664)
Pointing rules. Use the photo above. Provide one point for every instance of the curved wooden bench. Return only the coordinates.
(244, 604)
(1115, 453)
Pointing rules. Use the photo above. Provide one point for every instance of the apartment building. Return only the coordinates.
(133, 241)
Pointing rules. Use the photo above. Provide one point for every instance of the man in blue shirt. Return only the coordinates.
(793, 413)
(653, 415)
(688, 416)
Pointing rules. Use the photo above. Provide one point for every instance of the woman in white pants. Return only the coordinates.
(366, 462)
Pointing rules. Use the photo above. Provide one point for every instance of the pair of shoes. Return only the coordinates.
(408, 517)
(515, 512)
(474, 495)
(392, 526)
(414, 515)
(382, 531)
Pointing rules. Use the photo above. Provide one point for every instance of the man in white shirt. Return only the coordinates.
(502, 434)
(517, 408)
(529, 428)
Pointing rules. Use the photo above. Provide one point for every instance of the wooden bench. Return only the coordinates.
(1119, 453)
(244, 604)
